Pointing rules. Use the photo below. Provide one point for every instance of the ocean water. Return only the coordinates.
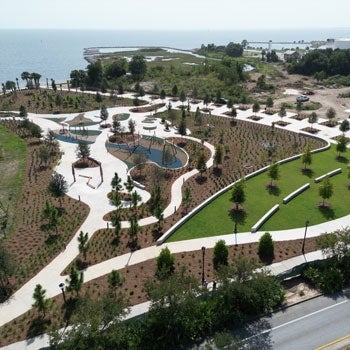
(55, 53)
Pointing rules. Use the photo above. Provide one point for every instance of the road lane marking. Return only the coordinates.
(333, 342)
(297, 319)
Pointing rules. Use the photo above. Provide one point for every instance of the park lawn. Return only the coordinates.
(214, 219)
(12, 166)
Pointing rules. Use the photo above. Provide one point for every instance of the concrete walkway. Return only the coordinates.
(49, 277)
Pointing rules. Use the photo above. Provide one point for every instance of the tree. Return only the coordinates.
(156, 197)
(43, 154)
(344, 126)
(256, 107)
(138, 67)
(36, 77)
(23, 112)
(182, 96)
(182, 127)
(134, 228)
(266, 246)
(269, 102)
(158, 213)
(273, 172)
(116, 183)
(165, 264)
(84, 245)
(58, 186)
(162, 95)
(94, 74)
(306, 157)
(51, 214)
(117, 68)
(131, 125)
(341, 145)
(53, 85)
(282, 112)
(116, 198)
(326, 190)
(41, 303)
(218, 154)
(299, 107)
(75, 281)
(25, 76)
(117, 224)
(174, 90)
(220, 254)
(201, 164)
(83, 149)
(313, 118)
(116, 126)
(129, 184)
(206, 100)
(187, 198)
(114, 281)
(238, 194)
(234, 50)
(135, 198)
(104, 113)
(331, 114)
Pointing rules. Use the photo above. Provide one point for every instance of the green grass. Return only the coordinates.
(12, 166)
(214, 219)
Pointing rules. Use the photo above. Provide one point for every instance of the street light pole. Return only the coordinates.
(203, 256)
(62, 285)
(303, 246)
(235, 231)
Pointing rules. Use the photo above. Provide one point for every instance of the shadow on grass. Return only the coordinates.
(326, 211)
(238, 215)
(342, 159)
(38, 326)
(308, 172)
(273, 190)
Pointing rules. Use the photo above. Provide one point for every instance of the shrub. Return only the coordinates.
(266, 247)
(220, 254)
(165, 264)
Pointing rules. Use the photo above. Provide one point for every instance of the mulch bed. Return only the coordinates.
(311, 130)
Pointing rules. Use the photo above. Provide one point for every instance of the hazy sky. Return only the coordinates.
(174, 14)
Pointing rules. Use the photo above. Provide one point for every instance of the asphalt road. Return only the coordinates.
(308, 325)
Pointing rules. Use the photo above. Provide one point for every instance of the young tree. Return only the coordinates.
(273, 172)
(282, 112)
(116, 183)
(331, 114)
(306, 157)
(201, 164)
(43, 154)
(129, 184)
(218, 154)
(117, 224)
(115, 280)
(313, 118)
(326, 190)
(162, 95)
(182, 127)
(341, 145)
(75, 281)
(41, 303)
(84, 245)
(269, 102)
(58, 186)
(344, 126)
(187, 198)
(165, 264)
(104, 114)
(238, 194)
(131, 125)
(116, 126)
(83, 149)
(299, 107)
(174, 90)
(256, 107)
(7, 268)
(182, 96)
(135, 199)
(23, 112)
(220, 254)
(134, 228)
(138, 67)
(266, 246)
(158, 213)
(51, 214)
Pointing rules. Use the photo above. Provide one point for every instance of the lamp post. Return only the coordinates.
(303, 246)
(62, 285)
(203, 256)
(235, 231)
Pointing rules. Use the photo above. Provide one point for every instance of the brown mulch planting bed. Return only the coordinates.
(147, 108)
(301, 116)
(135, 277)
(281, 123)
(255, 118)
(30, 246)
(330, 124)
(311, 130)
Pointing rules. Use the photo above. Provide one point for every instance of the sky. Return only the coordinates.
(174, 14)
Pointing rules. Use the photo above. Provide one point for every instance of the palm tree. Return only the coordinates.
(26, 76)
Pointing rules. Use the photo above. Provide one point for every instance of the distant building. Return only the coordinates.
(291, 55)
(341, 43)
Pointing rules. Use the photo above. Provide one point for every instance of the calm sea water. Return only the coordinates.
(54, 53)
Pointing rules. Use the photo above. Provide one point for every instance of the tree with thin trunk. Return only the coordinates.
(84, 245)
(135, 199)
(41, 303)
(116, 183)
(115, 280)
(220, 254)
(282, 112)
(299, 107)
(75, 281)
(83, 150)
(187, 198)
(174, 90)
(58, 186)
(7, 268)
(256, 107)
(269, 102)
(104, 114)
(344, 126)
(238, 194)
(326, 190)
(158, 212)
(131, 125)
(51, 214)
(313, 119)
(331, 114)
(273, 173)
(134, 228)
(165, 264)
(218, 154)
(201, 164)
(306, 157)
(117, 224)
(129, 184)
(341, 145)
